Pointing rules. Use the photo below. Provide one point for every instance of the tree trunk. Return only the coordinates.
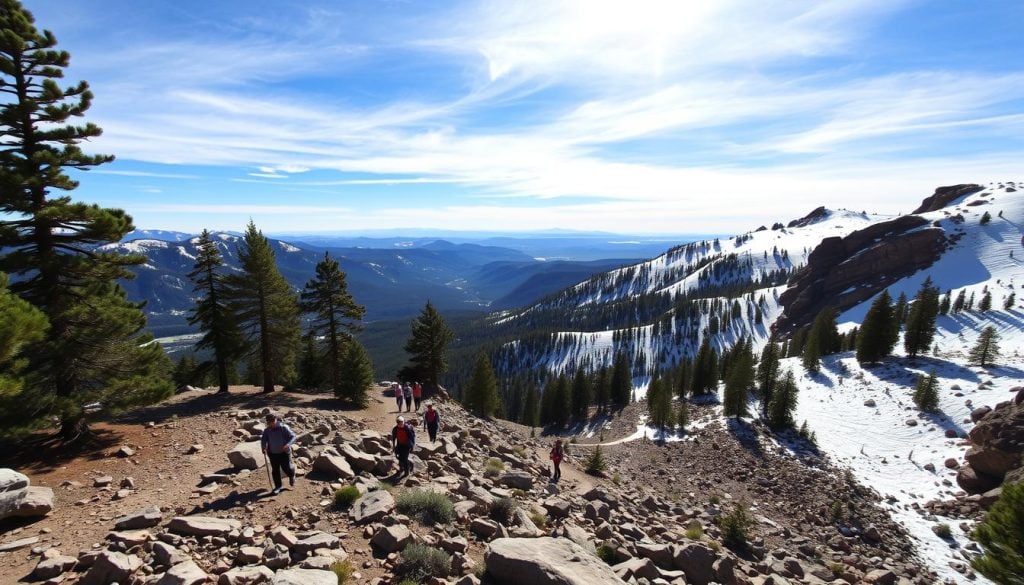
(73, 428)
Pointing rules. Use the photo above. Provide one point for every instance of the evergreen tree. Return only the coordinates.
(899, 312)
(926, 392)
(621, 381)
(683, 415)
(877, 336)
(767, 375)
(358, 375)
(659, 404)
(21, 325)
(823, 339)
(95, 348)
(986, 351)
(186, 372)
(531, 407)
(428, 346)
(562, 402)
(481, 397)
(921, 319)
(705, 370)
(960, 302)
(336, 315)
(985, 304)
(985, 218)
(596, 463)
(944, 305)
(310, 374)
(266, 309)
(739, 382)
(212, 313)
(1001, 536)
(548, 402)
(1010, 300)
(603, 389)
(780, 411)
(581, 394)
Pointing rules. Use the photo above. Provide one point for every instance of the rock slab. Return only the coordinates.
(546, 561)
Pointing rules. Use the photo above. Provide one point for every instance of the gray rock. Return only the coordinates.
(518, 479)
(166, 555)
(249, 555)
(17, 544)
(314, 540)
(661, 554)
(372, 507)
(246, 576)
(145, 518)
(52, 567)
(880, 577)
(247, 455)
(358, 459)
(186, 573)
(391, 538)
(111, 567)
(637, 568)
(276, 556)
(202, 525)
(305, 577)
(12, 481)
(697, 561)
(334, 466)
(545, 561)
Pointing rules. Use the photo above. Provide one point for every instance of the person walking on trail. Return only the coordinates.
(432, 420)
(407, 393)
(398, 395)
(404, 438)
(417, 394)
(557, 454)
(277, 440)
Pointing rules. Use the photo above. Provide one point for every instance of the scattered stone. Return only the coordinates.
(391, 538)
(304, 577)
(203, 525)
(372, 507)
(186, 573)
(247, 455)
(554, 561)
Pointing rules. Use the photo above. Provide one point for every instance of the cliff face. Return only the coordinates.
(843, 272)
(943, 196)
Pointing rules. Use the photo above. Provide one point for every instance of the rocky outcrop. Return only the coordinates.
(843, 272)
(546, 561)
(997, 447)
(809, 219)
(19, 499)
(943, 196)
(247, 455)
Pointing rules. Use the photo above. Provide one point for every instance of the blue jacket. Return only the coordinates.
(275, 439)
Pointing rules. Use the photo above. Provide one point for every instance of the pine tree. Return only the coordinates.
(986, 351)
(1000, 537)
(944, 305)
(21, 325)
(266, 309)
(531, 407)
(562, 402)
(960, 302)
(780, 411)
(355, 384)
(705, 369)
(596, 463)
(659, 404)
(481, 397)
(336, 315)
(877, 336)
(985, 218)
(899, 312)
(926, 392)
(683, 415)
(212, 313)
(603, 389)
(767, 375)
(985, 304)
(823, 339)
(186, 371)
(739, 382)
(621, 381)
(310, 374)
(581, 394)
(95, 348)
(428, 347)
(921, 319)
(1010, 300)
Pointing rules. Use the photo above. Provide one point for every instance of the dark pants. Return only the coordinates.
(404, 465)
(408, 403)
(279, 461)
(558, 470)
(432, 431)
(417, 400)
(399, 401)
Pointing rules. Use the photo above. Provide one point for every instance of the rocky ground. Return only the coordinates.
(157, 500)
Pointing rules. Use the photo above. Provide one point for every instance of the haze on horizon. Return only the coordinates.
(653, 117)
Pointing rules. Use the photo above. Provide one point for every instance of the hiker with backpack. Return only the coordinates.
(432, 420)
(277, 440)
(407, 393)
(417, 394)
(398, 395)
(557, 455)
(404, 438)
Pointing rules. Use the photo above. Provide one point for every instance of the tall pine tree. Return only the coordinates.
(531, 407)
(481, 396)
(95, 349)
(921, 319)
(767, 374)
(212, 313)
(780, 411)
(336, 316)
(739, 381)
(428, 347)
(877, 335)
(354, 386)
(621, 381)
(659, 404)
(266, 309)
(986, 350)
(823, 339)
(581, 394)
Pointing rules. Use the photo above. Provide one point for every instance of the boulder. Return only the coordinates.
(247, 455)
(334, 466)
(276, 556)
(391, 538)
(246, 576)
(974, 482)
(358, 459)
(202, 525)
(372, 507)
(637, 568)
(979, 413)
(992, 461)
(12, 481)
(49, 568)
(305, 577)
(186, 573)
(697, 561)
(545, 561)
(111, 567)
(27, 503)
(145, 518)
(881, 577)
(518, 479)
(314, 540)
(166, 555)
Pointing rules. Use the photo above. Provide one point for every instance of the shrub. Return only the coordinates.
(346, 496)
(616, 478)
(596, 464)
(426, 506)
(734, 526)
(837, 511)
(694, 530)
(520, 451)
(715, 546)
(419, 562)
(943, 531)
(999, 536)
(715, 499)
(502, 510)
(541, 520)
(494, 467)
(606, 554)
(344, 570)
(837, 569)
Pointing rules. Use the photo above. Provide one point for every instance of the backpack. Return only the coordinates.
(402, 435)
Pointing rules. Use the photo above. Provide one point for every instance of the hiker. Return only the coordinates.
(557, 454)
(433, 420)
(277, 440)
(417, 394)
(404, 438)
(398, 395)
(407, 392)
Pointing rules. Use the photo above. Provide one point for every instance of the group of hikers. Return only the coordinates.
(277, 439)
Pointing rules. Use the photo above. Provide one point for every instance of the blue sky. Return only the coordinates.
(648, 116)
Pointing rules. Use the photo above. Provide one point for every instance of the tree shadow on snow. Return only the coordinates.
(943, 421)
(746, 435)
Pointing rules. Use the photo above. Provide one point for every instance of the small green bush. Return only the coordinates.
(943, 531)
(520, 451)
(734, 526)
(596, 464)
(346, 496)
(494, 467)
(837, 569)
(541, 520)
(426, 506)
(715, 499)
(616, 478)
(715, 546)
(694, 530)
(837, 511)
(344, 570)
(606, 554)
(502, 510)
(419, 562)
